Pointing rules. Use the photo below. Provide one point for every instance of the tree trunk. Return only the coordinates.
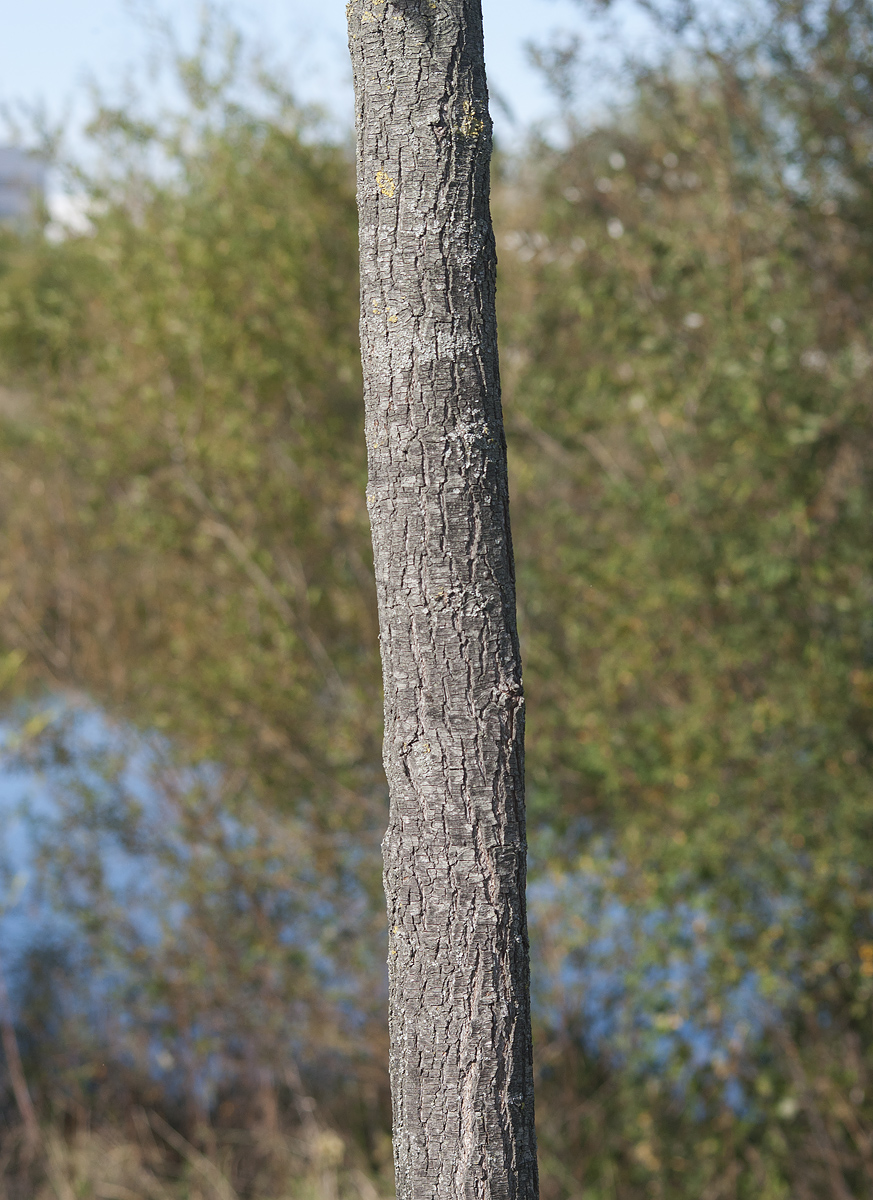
(455, 849)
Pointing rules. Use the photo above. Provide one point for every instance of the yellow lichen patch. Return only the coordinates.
(385, 184)
(471, 123)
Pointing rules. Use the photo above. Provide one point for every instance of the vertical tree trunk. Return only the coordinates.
(455, 850)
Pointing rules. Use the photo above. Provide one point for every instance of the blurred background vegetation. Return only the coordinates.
(189, 657)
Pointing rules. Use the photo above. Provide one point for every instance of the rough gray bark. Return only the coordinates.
(455, 850)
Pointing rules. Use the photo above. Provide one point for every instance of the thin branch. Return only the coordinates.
(16, 1071)
(35, 637)
(218, 527)
(198, 1161)
(521, 423)
(827, 1149)
(662, 448)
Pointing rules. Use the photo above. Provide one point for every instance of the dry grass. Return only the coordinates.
(149, 1160)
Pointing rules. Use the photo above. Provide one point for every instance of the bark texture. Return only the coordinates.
(455, 849)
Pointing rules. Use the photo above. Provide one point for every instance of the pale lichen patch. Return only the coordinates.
(386, 184)
(472, 124)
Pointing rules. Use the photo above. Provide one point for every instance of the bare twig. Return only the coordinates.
(824, 1142)
(35, 637)
(551, 446)
(662, 448)
(204, 1166)
(16, 1071)
(219, 528)
(58, 1169)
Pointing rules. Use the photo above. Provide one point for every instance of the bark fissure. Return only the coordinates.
(455, 849)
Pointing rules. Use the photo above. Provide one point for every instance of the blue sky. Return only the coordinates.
(50, 48)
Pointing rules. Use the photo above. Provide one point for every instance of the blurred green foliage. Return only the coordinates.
(687, 345)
